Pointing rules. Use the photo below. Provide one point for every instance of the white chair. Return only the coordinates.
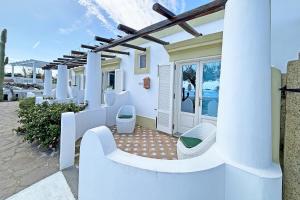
(205, 132)
(126, 119)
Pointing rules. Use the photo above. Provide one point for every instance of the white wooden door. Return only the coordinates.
(187, 97)
(165, 98)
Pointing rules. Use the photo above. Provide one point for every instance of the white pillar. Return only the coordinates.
(62, 82)
(82, 81)
(12, 71)
(33, 74)
(93, 80)
(244, 117)
(47, 82)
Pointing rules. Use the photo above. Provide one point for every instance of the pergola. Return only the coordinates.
(78, 58)
(28, 63)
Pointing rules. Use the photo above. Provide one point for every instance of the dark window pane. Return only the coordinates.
(142, 61)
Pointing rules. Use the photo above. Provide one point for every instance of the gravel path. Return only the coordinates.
(21, 164)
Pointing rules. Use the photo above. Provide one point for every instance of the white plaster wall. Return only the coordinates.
(285, 32)
(108, 173)
(144, 100)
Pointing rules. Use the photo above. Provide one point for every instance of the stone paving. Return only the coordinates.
(21, 164)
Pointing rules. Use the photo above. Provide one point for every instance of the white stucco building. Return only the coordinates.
(223, 77)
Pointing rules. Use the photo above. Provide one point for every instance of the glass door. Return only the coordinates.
(210, 84)
(187, 93)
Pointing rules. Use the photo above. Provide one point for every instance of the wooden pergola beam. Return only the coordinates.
(67, 56)
(109, 41)
(109, 51)
(130, 30)
(204, 10)
(170, 15)
(62, 59)
(73, 52)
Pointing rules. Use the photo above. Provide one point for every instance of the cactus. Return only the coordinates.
(3, 60)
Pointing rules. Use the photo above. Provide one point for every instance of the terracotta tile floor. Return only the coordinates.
(147, 143)
(143, 142)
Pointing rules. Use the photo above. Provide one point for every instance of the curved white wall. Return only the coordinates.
(106, 172)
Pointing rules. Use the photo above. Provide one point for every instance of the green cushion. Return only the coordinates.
(125, 116)
(190, 142)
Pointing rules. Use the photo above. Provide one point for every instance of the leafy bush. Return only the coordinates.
(26, 103)
(41, 123)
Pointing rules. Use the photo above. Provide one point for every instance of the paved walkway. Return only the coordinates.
(21, 164)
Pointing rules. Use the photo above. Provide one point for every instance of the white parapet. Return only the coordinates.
(47, 83)
(62, 82)
(93, 80)
(74, 125)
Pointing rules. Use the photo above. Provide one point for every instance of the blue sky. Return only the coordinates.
(47, 29)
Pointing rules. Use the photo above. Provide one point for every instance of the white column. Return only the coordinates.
(244, 118)
(12, 71)
(62, 82)
(73, 77)
(47, 82)
(82, 81)
(93, 80)
(33, 74)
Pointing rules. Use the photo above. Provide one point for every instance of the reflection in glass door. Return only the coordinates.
(187, 92)
(210, 88)
(188, 86)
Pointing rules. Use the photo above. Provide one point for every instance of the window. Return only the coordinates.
(142, 60)
(111, 80)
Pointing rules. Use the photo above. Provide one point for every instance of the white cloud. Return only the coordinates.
(90, 33)
(36, 44)
(75, 26)
(133, 13)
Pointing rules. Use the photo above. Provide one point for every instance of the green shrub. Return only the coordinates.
(26, 102)
(41, 123)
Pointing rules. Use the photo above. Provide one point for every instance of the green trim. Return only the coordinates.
(146, 122)
(137, 69)
(208, 45)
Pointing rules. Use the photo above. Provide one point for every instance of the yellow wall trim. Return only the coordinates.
(276, 107)
(208, 45)
(111, 62)
(107, 65)
(137, 69)
(146, 122)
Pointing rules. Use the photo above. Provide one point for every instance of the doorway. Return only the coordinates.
(196, 93)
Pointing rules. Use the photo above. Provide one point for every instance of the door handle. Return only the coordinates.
(200, 101)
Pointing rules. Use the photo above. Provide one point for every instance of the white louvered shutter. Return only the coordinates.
(165, 98)
(119, 80)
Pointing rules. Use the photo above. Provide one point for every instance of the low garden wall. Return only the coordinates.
(74, 125)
